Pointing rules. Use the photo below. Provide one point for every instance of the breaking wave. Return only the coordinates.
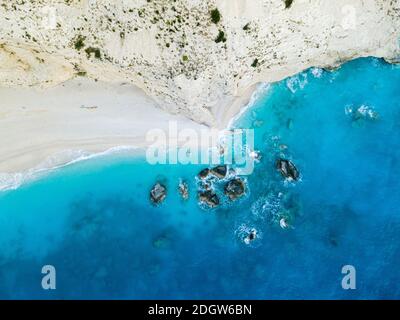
(262, 89)
(12, 181)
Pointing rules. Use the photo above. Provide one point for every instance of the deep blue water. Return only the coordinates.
(94, 223)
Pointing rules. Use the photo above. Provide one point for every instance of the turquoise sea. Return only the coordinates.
(93, 221)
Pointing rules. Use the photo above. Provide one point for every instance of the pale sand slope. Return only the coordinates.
(172, 49)
(58, 122)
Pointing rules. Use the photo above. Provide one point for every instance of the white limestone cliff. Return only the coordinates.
(182, 59)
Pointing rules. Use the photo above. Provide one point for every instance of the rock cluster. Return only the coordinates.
(203, 174)
(233, 188)
(209, 198)
(287, 169)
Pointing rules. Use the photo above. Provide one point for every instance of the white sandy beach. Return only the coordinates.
(80, 115)
(48, 111)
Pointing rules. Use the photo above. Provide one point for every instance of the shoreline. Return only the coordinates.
(79, 116)
(232, 108)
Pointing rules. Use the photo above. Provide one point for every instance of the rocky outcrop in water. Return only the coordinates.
(183, 190)
(287, 169)
(209, 198)
(235, 188)
(161, 242)
(158, 193)
(219, 171)
(204, 173)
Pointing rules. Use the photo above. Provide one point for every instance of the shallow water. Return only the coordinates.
(94, 223)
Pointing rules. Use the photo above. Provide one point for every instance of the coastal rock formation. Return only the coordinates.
(204, 173)
(183, 190)
(209, 198)
(234, 189)
(158, 193)
(219, 171)
(188, 60)
(287, 169)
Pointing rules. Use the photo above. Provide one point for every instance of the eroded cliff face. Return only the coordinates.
(192, 56)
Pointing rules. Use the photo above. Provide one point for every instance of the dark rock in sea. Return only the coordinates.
(209, 198)
(234, 188)
(204, 173)
(287, 169)
(252, 235)
(158, 193)
(219, 171)
(183, 189)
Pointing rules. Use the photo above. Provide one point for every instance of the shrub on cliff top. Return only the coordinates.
(221, 37)
(79, 43)
(215, 16)
(288, 3)
(91, 50)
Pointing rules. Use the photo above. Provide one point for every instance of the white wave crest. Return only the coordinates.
(262, 88)
(317, 72)
(297, 82)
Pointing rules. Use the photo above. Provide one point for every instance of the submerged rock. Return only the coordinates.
(158, 193)
(183, 189)
(161, 242)
(289, 124)
(333, 241)
(219, 171)
(258, 123)
(234, 189)
(283, 146)
(361, 113)
(209, 198)
(287, 169)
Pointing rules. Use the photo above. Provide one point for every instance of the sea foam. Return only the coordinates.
(12, 181)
